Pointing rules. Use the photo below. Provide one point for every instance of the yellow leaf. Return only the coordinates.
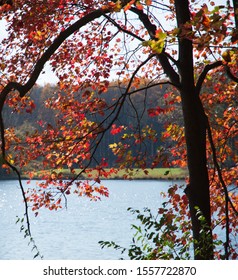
(156, 45)
(114, 145)
(117, 7)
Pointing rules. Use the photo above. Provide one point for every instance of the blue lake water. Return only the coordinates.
(74, 233)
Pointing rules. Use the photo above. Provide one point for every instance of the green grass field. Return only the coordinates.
(149, 174)
(135, 174)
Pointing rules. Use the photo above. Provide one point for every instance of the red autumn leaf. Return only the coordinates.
(153, 112)
(97, 180)
(176, 197)
(116, 129)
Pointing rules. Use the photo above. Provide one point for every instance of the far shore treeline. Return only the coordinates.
(27, 119)
(36, 109)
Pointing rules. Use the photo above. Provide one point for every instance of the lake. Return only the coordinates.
(74, 233)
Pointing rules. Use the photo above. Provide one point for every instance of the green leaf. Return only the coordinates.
(18, 219)
(36, 255)
(166, 172)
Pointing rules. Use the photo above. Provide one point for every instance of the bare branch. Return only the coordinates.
(227, 198)
(123, 29)
(16, 171)
(150, 86)
(162, 57)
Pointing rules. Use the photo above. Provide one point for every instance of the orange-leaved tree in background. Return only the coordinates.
(191, 46)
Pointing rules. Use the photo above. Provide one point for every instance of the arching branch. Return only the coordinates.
(204, 74)
(207, 69)
(230, 75)
(23, 89)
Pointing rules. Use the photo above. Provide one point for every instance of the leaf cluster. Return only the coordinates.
(156, 237)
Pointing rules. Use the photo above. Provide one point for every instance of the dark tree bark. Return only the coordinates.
(235, 5)
(2, 2)
(195, 123)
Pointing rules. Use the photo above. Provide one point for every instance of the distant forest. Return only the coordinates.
(136, 112)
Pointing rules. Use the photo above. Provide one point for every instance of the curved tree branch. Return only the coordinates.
(230, 75)
(23, 89)
(209, 67)
(202, 77)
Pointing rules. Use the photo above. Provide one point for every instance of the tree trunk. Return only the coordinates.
(198, 188)
(195, 135)
(235, 5)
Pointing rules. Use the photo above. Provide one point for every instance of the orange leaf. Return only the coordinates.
(139, 6)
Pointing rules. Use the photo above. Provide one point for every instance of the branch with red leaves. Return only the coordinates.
(23, 89)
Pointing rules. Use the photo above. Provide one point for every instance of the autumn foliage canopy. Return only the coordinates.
(94, 46)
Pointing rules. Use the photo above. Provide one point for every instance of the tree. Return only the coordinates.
(85, 43)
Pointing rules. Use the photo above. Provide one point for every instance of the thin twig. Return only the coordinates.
(227, 198)
(16, 171)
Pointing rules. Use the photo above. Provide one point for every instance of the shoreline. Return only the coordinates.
(15, 178)
(160, 174)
